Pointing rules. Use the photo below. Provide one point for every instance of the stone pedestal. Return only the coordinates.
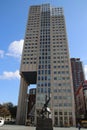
(44, 124)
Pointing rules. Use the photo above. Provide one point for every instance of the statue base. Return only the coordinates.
(44, 124)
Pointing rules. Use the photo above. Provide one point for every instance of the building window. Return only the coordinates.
(55, 113)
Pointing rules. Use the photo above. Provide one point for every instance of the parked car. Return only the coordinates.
(1, 121)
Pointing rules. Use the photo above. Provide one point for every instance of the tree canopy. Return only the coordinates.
(8, 109)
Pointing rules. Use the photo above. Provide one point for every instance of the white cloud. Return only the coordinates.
(85, 69)
(15, 49)
(10, 75)
(1, 53)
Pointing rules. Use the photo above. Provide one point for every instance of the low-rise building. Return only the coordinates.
(31, 105)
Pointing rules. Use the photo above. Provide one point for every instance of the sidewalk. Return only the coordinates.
(17, 127)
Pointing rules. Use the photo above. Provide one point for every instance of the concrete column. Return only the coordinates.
(22, 102)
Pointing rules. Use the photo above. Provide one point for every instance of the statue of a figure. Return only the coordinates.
(45, 108)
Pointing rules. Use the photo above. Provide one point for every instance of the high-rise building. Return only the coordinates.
(77, 72)
(45, 62)
(81, 101)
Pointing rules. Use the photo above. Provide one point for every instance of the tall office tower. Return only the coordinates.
(77, 72)
(45, 62)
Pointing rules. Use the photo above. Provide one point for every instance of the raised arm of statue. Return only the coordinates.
(45, 108)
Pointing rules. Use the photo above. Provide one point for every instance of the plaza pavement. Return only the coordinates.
(17, 127)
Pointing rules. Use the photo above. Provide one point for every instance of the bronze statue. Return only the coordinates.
(45, 108)
(44, 122)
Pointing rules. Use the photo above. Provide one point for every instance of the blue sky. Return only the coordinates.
(13, 20)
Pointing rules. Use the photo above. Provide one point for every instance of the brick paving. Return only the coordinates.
(17, 127)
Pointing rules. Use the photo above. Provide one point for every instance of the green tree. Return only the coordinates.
(4, 111)
(8, 109)
(13, 111)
